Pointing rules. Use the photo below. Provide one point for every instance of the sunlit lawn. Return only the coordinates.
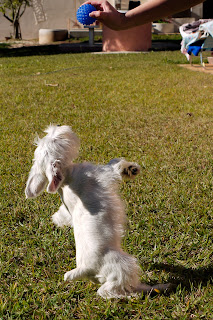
(143, 107)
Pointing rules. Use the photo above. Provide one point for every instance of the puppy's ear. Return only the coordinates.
(36, 183)
(55, 177)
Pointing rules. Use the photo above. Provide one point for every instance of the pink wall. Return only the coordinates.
(135, 39)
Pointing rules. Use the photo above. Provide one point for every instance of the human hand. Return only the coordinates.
(107, 14)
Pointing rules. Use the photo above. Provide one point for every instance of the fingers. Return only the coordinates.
(96, 4)
(97, 15)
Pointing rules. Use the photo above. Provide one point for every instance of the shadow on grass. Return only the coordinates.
(52, 49)
(7, 51)
(188, 277)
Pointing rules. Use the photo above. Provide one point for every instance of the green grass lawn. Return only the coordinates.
(143, 107)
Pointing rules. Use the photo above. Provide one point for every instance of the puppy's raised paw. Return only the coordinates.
(131, 170)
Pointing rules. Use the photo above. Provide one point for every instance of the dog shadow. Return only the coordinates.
(188, 278)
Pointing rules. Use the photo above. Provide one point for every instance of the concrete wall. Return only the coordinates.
(45, 14)
(197, 11)
(55, 14)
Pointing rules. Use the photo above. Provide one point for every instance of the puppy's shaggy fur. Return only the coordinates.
(91, 205)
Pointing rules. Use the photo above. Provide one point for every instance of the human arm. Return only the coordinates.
(147, 12)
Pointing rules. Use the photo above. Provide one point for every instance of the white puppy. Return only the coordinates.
(91, 205)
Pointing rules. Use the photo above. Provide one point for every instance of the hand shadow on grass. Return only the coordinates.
(187, 277)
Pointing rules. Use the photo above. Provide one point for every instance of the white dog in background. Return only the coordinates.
(92, 206)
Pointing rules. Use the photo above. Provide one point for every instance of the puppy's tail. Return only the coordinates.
(161, 288)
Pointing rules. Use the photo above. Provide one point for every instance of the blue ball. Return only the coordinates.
(83, 14)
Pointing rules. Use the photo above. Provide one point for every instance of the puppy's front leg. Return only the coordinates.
(124, 168)
(76, 274)
(62, 217)
(129, 169)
